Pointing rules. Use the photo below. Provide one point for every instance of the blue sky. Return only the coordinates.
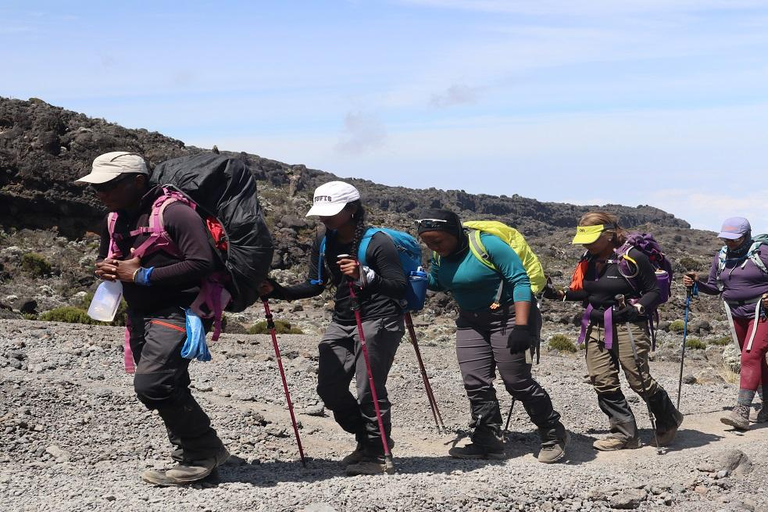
(660, 102)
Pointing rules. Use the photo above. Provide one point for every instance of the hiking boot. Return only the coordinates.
(553, 452)
(359, 453)
(759, 416)
(356, 456)
(369, 465)
(738, 418)
(478, 451)
(666, 436)
(186, 472)
(616, 442)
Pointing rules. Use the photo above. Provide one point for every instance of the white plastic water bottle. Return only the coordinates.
(105, 301)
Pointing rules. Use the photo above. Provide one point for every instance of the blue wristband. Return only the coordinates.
(143, 276)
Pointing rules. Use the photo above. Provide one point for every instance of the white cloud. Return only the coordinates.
(708, 209)
(454, 95)
(362, 132)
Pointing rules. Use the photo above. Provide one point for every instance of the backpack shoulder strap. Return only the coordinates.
(113, 251)
(365, 242)
(158, 238)
(478, 249)
(320, 261)
(754, 255)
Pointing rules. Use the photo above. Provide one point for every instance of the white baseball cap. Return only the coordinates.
(330, 198)
(109, 166)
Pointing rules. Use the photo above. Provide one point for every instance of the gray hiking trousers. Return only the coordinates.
(162, 383)
(341, 358)
(481, 348)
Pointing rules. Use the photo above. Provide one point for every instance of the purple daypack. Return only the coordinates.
(645, 243)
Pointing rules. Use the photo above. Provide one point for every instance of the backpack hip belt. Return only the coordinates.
(737, 303)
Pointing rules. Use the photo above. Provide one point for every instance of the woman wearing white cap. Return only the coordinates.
(740, 273)
(614, 332)
(380, 287)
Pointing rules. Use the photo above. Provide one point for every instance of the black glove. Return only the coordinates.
(597, 316)
(519, 339)
(550, 292)
(625, 314)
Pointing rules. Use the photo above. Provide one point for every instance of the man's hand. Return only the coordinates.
(111, 269)
(107, 269)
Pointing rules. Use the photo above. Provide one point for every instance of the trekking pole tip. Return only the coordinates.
(389, 465)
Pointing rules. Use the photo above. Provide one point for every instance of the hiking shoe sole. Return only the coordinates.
(742, 426)
(619, 445)
(493, 456)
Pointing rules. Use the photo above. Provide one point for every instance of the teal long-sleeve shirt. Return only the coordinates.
(473, 285)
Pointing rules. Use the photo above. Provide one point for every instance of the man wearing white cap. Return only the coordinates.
(157, 289)
(381, 286)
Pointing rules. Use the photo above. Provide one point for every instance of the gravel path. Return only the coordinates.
(73, 437)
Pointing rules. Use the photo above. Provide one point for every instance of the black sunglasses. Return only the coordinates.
(111, 185)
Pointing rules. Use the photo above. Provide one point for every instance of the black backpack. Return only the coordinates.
(223, 191)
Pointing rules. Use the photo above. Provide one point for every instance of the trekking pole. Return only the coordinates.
(271, 327)
(390, 466)
(759, 315)
(509, 416)
(427, 386)
(688, 295)
(659, 450)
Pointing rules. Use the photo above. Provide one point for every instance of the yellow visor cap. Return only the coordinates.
(587, 234)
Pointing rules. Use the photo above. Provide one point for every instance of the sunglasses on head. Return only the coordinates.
(431, 223)
(112, 184)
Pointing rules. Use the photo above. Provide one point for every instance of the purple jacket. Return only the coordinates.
(739, 283)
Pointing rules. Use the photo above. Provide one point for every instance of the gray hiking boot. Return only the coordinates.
(186, 472)
(478, 451)
(553, 451)
(760, 415)
(370, 465)
(356, 456)
(738, 417)
(666, 436)
(616, 442)
(359, 453)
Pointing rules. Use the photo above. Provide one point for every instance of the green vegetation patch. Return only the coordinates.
(35, 264)
(562, 343)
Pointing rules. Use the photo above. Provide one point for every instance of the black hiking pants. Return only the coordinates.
(162, 382)
(341, 358)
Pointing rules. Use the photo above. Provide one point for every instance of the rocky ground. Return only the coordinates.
(73, 437)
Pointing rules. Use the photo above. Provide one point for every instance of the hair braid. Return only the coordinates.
(359, 217)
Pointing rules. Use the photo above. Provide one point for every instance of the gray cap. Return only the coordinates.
(109, 166)
(734, 228)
